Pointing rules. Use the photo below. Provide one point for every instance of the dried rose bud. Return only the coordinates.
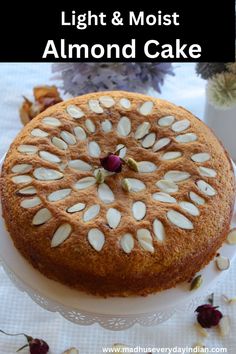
(208, 315)
(112, 163)
(38, 346)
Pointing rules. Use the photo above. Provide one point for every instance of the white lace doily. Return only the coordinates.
(110, 313)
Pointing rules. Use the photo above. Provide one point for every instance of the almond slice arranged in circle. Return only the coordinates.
(171, 155)
(139, 210)
(163, 197)
(90, 125)
(41, 217)
(27, 149)
(122, 149)
(47, 174)
(180, 125)
(149, 140)
(106, 126)
(146, 108)
(79, 165)
(30, 203)
(146, 167)
(145, 240)
(125, 103)
(94, 105)
(21, 168)
(61, 234)
(179, 220)
(48, 156)
(161, 143)
(107, 101)
(80, 133)
(166, 121)
(105, 193)
(207, 172)
(124, 126)
(189, 208)
(30, 190)
(159, 230)
(68, 137)
(206, 188)
(201, 157)
(142, 130)
(196, 198)
(75, 208)
(59, 195)
(51, 121)
(186, 138)
(96, 239)
(21, 179)
(127, 243)
(176, 176)
(91, 212)
(136, 184)
(74, 111)
(113, 217)
(85, 182)
(167, 186)
(59, 143)
(94, 149)
(39, 133)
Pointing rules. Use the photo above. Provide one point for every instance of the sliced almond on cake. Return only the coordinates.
(139, 210)
(47, 174)
(142, 130)
(91, 212)
(127, 243)
(179, 220)
(113, 217)
(166, 121)
(145, 240)
(125, 103)
(61, 234)
(105, 193)
(146, 108)
(74, 111)
(159, 230)
(94, 105)
(96, 239)
(41, 217)
(124, 126)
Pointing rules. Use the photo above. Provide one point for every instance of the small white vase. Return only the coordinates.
(223, 123)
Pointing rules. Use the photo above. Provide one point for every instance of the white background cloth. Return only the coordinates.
(17, 311)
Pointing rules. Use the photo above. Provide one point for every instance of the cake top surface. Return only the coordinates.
(159, 201)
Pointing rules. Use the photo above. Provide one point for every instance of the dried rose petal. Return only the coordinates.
(208, 315)
(111, 163)
(45, 96)
(38, 346)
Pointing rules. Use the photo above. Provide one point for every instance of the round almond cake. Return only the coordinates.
(117, 193)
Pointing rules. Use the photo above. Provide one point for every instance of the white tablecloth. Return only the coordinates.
(19, 314)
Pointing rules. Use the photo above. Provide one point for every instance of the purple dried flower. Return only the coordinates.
(112, 163)
(38, 346)
(208, 315)
(80, 78)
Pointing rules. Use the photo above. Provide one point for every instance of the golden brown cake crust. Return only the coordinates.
(106, 266)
